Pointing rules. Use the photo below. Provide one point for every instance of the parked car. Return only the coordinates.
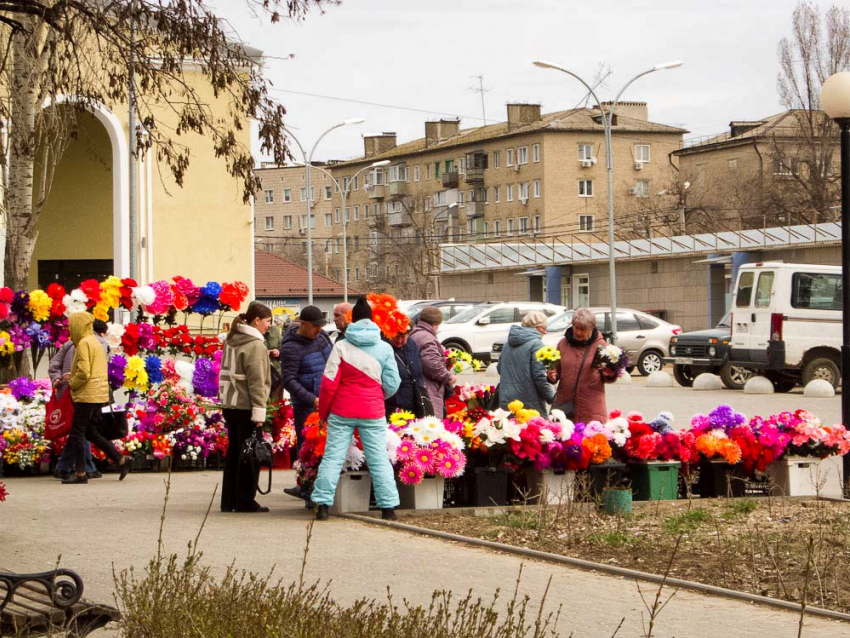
(787, 322)
(449, 308)
(693, 353)
(645, 338)
(474, 330)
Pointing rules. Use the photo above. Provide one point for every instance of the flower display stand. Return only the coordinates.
(488, 486)
(352, 493)
(718, 479)
(551, 487)
(806, 476)
(427, 495)
(655, 480)
(611, 473)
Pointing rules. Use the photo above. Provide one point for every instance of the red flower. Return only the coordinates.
(91, 288)
(57, 309)
(233, 295)
(6, 295)
(125, 292)
(130, 339)
(56, 291)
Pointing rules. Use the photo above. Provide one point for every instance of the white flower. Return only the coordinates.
(73, 303)
(452, 439)
(114, 332)
(143, 295)
(512, 430)
(613, 353)
(546, 436)
(620, 439)
(424, 437)
(185, 370)
(393, 441)
(354, 458)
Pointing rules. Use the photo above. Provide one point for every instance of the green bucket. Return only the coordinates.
(617, 501)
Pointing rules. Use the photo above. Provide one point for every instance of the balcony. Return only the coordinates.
(474, 174)
(399, 220)
(474, 209)
(377, 191)
(398, 189)
(450, 180)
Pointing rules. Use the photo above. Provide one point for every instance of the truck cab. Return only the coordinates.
(787, 322)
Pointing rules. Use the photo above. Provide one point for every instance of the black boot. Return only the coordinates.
(389, 514)
(74, 479)
(322, 513)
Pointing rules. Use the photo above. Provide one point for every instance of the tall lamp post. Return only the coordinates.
(609, 164)
(835, 100)
(308, 159)
(345, 192)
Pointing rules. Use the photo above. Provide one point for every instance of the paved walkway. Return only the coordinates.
(108, 522)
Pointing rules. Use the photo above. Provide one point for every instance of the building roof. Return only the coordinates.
(572, 120)
(278, 277)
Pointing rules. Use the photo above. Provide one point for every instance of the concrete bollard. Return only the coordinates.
(708, 381)
(758, 385)
(819, 389)
(659, 379)
(626, 379)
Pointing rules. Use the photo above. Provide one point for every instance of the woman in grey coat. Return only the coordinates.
(436, 375)
(521, 375)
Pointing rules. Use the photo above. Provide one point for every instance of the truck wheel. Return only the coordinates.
(734, 377)
(649, 362)
(684, 375)
(822, 368)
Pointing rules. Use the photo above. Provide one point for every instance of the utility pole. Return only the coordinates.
(133, 220)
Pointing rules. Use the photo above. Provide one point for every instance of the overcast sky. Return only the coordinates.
(426, 55)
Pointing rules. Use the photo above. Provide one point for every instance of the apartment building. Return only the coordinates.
(532, 176)
(280, 213)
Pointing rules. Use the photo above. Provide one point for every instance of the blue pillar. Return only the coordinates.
(553, 284)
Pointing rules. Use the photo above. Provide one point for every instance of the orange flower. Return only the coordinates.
(599, 448)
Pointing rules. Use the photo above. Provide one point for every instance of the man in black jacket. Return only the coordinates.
(341, 311)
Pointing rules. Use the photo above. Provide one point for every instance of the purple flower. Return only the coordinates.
(205, 378)
(20, 306)
(146, 339)
(23, 388)
(115, 371)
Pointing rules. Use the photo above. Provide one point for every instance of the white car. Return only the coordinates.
(474, 330)
(645, 338)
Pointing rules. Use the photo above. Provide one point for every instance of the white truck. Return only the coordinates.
(787, 322)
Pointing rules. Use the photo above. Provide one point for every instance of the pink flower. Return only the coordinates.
(164, 298)
(410, 474)
(406, 450)
(424, 458)
(448, 466)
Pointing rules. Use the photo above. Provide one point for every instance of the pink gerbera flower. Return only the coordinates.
(406, 450)
(447, 466)
(425, 458)
(410, 474)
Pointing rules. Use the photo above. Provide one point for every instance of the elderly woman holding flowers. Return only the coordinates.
(581, 391)
(522, 372)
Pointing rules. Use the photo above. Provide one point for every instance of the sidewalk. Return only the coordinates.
(109, 522)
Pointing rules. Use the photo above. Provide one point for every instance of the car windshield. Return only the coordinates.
(726, 322)
(466, 315)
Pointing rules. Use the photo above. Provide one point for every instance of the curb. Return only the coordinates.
(605, 569)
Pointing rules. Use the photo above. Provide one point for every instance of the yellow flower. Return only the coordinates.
(402, 417)
(6, 345)
(110, 292)
(548, 354)
(515, 406)
(524, 416)
(101, 311)
(40, 305)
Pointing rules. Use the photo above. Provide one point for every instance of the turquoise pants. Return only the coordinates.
(373, 435)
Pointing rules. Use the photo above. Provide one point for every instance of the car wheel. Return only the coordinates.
(735, 377)
(822, 368)
(649, 362)
(684, 376)
(454, 345)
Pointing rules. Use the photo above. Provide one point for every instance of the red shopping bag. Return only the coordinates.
(59, 413)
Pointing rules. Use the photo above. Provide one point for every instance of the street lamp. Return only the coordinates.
(835, 100)
(609, 163)
(308, 159)
(345, 192)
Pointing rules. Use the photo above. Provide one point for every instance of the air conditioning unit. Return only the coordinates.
(586, 163)
(638, 166)
(523, 201)
(515, 167)
(633, 191)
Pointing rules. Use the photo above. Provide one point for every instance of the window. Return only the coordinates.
(461, 197)
(269, 223)
(450, 166)
(269, 197)
(523, 191)
(501, 315)
(356, 183)
(585, 223)
(287, 195)
(585, 152)
(441, 198)
(303, 221)
(732, 164)
(398, 173)
(497, 228)
(496, 194)
(328, 192)
(745, 289)
(509, 228)
(303, 194)
(416, 173)
(427, 203)
(329, 246)
(536, 226)
(537, 188)
(336, 215)
(373, 239)
(522, 155)
(585, 188)
(287, 222)
(346, 182)
(328, 220)
(357, 213)
(365, 211)
(346, 214)
(356, 274)
(510, 157)
(626, 322)
(816, 291)
(338, 246)
(523, 225)
(642, 153)
(497, 159)
(461, 165)
(642, 188)
(784, 167)
(357, 242)
(764, 289)
(509, 190)
(436, 170)
(646, 323)
(486, 229)
(535, 153)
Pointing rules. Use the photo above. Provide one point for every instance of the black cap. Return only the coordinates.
(312, 315)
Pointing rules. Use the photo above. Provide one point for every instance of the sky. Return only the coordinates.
(411, 55)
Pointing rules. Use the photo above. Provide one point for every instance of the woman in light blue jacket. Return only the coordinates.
(521, 375)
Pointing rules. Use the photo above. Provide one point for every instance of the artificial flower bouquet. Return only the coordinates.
(549, 356)
(3, 492)
(611, 362)
(422, 448)
(713, 434)
(312, 451)
(809, 436)
(460, 362)
(279, 428)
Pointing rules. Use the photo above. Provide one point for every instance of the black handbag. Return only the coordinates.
(113, 423)
(422, 405)
(257, 452)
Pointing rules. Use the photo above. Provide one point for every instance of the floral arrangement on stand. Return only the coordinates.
(423, 448)
(460, 362)
(611, 362)
(279, 429)
(315, 435)
(22, 415)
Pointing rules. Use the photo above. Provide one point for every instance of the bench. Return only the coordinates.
(49, 603)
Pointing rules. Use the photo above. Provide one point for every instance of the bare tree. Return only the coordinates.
(86, 49)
